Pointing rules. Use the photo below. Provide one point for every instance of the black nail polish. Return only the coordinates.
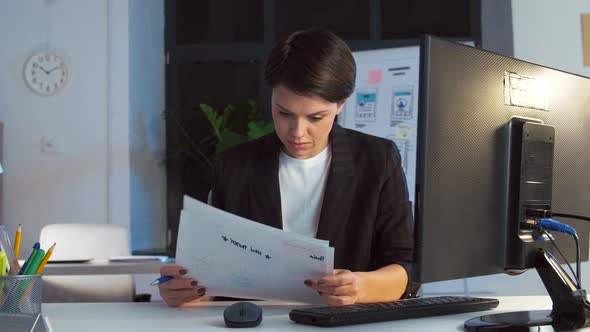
(183, 271)
(193, 283)
(307, 282)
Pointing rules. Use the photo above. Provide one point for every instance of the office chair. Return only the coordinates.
(81, 242)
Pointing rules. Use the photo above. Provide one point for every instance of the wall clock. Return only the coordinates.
(45, 73)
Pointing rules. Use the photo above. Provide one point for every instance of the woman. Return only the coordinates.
(315, 178)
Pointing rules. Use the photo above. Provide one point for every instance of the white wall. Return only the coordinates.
(71, 186)
(547, 32)
(550, 33)
(90, 181)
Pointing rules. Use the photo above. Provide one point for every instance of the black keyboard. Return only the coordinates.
(384, 311)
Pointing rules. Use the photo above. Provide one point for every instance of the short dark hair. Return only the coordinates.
(312, 62)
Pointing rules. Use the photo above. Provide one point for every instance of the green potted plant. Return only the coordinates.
(201, 137)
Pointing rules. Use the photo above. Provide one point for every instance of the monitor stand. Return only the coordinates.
(570, 311)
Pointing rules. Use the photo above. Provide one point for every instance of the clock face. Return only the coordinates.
(45, 73)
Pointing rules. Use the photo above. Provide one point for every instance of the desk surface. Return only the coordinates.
(156, 316)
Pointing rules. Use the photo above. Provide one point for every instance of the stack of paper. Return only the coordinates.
(236, 257)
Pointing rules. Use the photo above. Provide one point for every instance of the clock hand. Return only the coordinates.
(43, 69)
(51, 71)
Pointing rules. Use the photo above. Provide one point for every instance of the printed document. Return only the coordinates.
(236, 257)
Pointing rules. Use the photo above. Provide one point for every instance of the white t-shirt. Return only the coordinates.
(302, 183)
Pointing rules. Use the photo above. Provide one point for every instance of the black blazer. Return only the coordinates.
(366, 214)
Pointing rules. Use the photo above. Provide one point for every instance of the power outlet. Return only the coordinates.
(52, 144)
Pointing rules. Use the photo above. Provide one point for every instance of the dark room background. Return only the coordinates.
(215, 54)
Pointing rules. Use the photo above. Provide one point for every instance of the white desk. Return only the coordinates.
(143, 271)
(156, 316)
(95, 267)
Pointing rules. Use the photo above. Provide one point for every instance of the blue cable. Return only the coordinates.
(554, 225)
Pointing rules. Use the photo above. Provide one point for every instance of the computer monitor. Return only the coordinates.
(472, 194)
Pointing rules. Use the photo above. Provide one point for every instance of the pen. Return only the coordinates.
(28, 261)
(45, 259)
(34, 262)
(3, 266)
(161, 280)
(37, 271)
(17, 238)
(3, 263)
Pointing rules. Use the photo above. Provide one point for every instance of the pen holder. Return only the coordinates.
(21, 294)
(20, 302)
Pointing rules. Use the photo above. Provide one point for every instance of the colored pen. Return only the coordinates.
(28, 261)
(161, 280)
(3, 263)
(3, 266)
(17, 238)
(37, 271)
(45, 259)
(35, 261)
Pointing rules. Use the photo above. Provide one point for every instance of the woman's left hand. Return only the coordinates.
(342, 288)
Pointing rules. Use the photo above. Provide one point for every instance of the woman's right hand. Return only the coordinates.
(180, 290)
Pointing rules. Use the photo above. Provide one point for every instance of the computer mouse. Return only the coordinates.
(242, 314)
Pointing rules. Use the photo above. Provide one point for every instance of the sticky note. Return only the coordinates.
(375, 76)
(403, 133)
(586, 38)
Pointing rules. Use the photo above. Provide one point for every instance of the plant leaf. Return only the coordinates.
(253, 114)
(208, 140)
(228, 139)
(213, 117)
(228, 113)
(259, 128)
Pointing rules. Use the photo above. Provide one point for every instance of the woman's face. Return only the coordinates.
(302, 123)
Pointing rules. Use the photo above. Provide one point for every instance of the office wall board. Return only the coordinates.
(385, 100)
